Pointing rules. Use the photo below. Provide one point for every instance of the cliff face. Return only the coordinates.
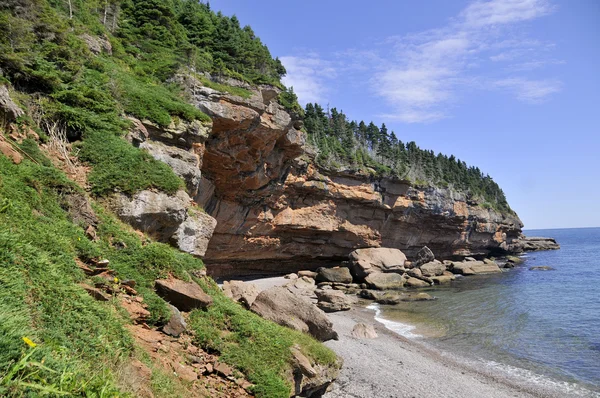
(277, 212)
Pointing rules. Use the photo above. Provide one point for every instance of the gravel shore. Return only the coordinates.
(393, 366)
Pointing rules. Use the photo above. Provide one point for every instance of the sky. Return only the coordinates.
(510, 86)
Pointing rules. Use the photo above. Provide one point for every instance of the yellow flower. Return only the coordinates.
(78, 238)
(116, 280)
(29, 342)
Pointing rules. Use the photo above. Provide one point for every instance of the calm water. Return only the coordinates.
(545, 322)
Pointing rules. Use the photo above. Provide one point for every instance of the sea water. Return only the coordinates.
(542, 324)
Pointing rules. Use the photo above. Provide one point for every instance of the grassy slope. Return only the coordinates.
(82, 342)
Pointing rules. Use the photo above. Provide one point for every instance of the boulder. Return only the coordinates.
(514, 260)
(309, 274)
(337, 274)
(176, 324)
(385, 281)
(333, 300)
(425, 255)
(279, 305)
(442, 279)
(364, 331)
(480, 267)
(461, 268)
(541, 268)
(311, 379)
(186, 296)
(433, 268)
(9, 151)
(241, 292)
(376, 259)
(394, 297)
(193, 234)
(8, 106)
(97, 294)
(414, 282)
(155, 213)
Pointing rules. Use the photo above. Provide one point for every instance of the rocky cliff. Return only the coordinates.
(276, 211)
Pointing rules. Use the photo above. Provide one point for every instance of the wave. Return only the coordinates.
(402, 329)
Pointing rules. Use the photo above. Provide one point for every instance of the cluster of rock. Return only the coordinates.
(535, 243)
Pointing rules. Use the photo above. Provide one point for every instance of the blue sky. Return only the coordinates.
(510, 86)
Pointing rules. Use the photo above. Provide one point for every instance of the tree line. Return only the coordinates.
(344, 143)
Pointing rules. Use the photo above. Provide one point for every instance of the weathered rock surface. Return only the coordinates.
(531, 244)
(241, 292)
(474, 267)
(311, 379)
(373, 260)
(542, 268)
(8, 108)
(385, 281)
(333, 300)
(176, 325)
(425, 255)
(433, 268)
(155, 213)
(283, 307)
(390, 297)
(193, 234)
(186, 296)
(364, 331)
(337, 274)
(414, 282)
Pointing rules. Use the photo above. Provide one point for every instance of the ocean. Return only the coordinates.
(544, 325)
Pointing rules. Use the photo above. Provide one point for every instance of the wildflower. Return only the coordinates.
(29, 342)
(116, 280)
(78, 238)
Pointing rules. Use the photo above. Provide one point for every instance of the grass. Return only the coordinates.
(81, 342)
(224, 88)
(259, 349)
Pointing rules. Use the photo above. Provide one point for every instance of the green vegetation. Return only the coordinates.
(259, 349)
(81, 343)
(361, 146)
(239, 91)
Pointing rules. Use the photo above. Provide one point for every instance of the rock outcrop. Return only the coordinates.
(277, 212)
(186, 296)
(533, 244)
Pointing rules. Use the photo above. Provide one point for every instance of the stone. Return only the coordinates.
(97, 294)
(176, 325)
(479, 267)
(434, 268)
(530, 244)
(332, 300)
(541, 268)
(241, 292)
(291, 276)
(186, 296)
(223, 369)
(309, 274)
(155, 213)
(193, 235)
(514, 260)
(363, 331)
(136, 310)
(376, 259)
(425, 255)
(337, 274)
(281, 306)
(302, 363)
(10, 152)
(97, 44)
(80, 211)
(385, 281)
(8, 106)
(391, 297)
(442, 279)
(414, 282)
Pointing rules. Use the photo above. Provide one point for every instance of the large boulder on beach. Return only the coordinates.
(385, 281)
(335, 275)
(186, 296)
(474, 267)
(433, 268)
(425, 255)
(279, 305)
(391, 297)
(333, 300)
(376, 259)
(364, 331)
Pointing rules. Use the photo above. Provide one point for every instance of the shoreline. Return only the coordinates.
(392, 365)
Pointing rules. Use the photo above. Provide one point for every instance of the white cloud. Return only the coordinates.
(530, 91)
(499, 12)
(308, 75)
(429, 69)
